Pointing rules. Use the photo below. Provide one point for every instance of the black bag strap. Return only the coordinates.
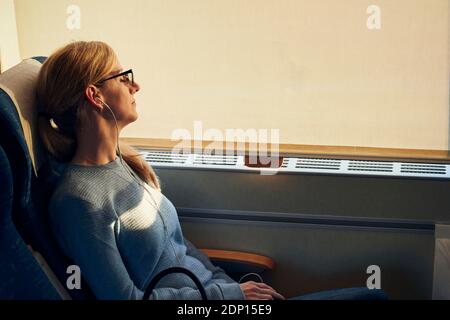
(167, 271)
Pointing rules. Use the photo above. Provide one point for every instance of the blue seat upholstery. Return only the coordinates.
(21, 277)
(24, 219)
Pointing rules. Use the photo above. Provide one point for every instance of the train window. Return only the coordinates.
(299, 74)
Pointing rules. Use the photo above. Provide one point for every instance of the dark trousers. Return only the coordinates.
(345, 294)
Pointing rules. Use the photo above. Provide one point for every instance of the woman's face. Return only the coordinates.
(118, 94)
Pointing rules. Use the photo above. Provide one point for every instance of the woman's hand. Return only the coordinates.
(259, 291)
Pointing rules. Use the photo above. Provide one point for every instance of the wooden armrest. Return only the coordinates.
(259, 261)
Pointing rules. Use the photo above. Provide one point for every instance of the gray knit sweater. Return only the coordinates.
(122, 234)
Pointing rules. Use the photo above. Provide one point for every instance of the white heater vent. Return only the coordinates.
(291, 165)
(285, 163)
(424, 168)
(321, 164)
(372, 166)
(215, 160)
(155, 157)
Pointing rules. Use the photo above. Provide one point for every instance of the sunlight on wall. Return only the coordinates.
(350, 73)
(9, 44)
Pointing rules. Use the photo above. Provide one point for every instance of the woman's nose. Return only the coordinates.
(136, 87)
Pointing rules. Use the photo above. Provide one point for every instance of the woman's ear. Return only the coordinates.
(93, 96)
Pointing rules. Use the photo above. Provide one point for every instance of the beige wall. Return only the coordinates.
(310, 68)
(9, 45)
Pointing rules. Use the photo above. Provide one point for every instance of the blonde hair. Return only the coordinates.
(62, 80)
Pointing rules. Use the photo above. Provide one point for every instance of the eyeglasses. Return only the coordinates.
(128, 77)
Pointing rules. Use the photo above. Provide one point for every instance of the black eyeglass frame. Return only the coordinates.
(119, 75)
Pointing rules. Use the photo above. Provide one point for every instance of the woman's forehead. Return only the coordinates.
(117, 69)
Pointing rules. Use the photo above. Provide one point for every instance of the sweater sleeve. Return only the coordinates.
(86, 235)
(218, 273)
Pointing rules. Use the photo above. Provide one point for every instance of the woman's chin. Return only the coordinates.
(131, 118)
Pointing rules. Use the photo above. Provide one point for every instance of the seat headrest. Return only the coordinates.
(19, 83)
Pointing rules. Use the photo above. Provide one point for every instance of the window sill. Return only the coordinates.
(306, 151)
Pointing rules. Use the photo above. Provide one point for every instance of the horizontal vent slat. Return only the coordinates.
(424, 172)
(317, 167)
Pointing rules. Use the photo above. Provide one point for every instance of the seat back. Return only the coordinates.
(33, 175)
(21, 276)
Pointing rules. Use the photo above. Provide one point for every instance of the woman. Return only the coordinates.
(109, 215)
